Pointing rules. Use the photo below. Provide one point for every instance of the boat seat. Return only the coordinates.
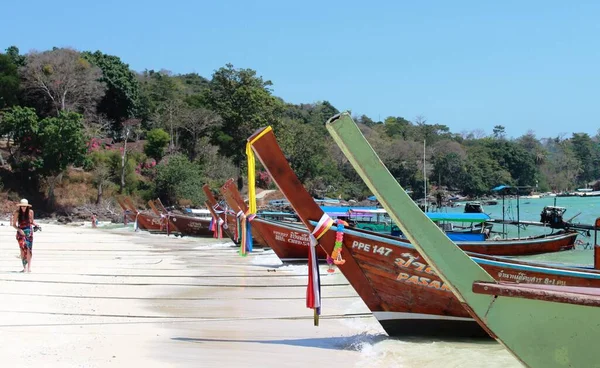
(589, 296)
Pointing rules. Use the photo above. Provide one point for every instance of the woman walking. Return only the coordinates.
(22, 220)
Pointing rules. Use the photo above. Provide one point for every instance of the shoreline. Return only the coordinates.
(100, 297)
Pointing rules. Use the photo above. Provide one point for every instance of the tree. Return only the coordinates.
(20, 125)
(304, 148)
(122, 98)
(179, 180)
(65, 79)
(244, 102)
(364, 119)
(17, 59)
(101, 173)
(499, 132)
(449, 169)
(156, 141)
(195, 124)
(398, 127)
(9, 82)
(587, 153)
(128, 126)
(513, 158)
(62, 144)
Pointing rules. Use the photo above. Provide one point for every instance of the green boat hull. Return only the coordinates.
(540, 333)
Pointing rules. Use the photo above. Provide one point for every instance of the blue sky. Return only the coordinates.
(467, 64)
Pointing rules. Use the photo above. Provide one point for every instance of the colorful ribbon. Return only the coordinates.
(241, 222)
(313, 290)
(252, 170)
(336, 255)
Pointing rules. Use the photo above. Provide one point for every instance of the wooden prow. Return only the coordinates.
(210, 197)
(160, 205)
(153, 207)
(130, 205)
(273, 160)
(234, 200)
(212, 203)
(233, 197)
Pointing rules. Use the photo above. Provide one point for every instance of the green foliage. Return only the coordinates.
(586, 152)
(61, 143)
(19, 124)
(210, 120)
(449, 170)
(156, 142)
(304, 148)
(121, 100)
(115, 167)
(398, 127)
(244, 102)
(179, 180)
(9, 82)
(17, 59)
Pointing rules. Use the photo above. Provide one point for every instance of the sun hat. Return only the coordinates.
(24, 203)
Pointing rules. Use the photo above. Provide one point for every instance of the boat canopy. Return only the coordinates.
(458, 217)
(197, 211)
(434, 216)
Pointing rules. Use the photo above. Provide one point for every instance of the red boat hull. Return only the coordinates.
(394, 281)
(191, 226)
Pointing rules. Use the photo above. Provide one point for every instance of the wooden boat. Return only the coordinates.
(225, 214)
(145, 221)
(542, 325)
(288, 241)
(257, 236)
(476, 242)
(399, 287)
(187, 225)
(128, 215)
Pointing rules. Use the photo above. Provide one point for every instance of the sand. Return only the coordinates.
(100, 297)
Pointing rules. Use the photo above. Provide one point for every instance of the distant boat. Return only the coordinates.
(473, 207)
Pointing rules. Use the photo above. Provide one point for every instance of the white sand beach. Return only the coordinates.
(100, 298)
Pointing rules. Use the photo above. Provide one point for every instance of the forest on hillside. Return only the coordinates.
(158, 134)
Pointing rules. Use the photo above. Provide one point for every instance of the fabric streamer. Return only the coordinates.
(215, 227)
(136, 227)
(241, 221)
(313, 290)
(249, 218)
(252, 172)
(220, 228)
(236, 234)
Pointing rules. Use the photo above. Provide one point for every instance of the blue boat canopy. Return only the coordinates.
(458, 217)
(500, 188)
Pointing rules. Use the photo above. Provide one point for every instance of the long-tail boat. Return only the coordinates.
(221, 212)
(257, 236)
(542, 325)
(395, 282)
(288, 241)
(476, 241)
(144, 221)
(187, 225)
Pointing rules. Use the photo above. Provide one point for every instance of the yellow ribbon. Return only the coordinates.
(251, 171)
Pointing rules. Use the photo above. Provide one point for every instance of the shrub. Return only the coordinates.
(156, 142)
(178, 179)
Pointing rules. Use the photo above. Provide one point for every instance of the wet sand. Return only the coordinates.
(100, 297)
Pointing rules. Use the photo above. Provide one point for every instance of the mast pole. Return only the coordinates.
(424, 174)
(518, 216)
(503, 216)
